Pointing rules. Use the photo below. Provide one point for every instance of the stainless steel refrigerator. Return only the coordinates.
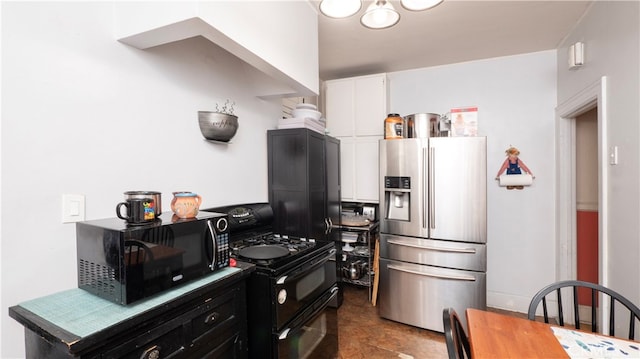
(433, 230)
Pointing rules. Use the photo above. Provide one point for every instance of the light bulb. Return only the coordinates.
(419, 5)
(380, 15)
(339, 9)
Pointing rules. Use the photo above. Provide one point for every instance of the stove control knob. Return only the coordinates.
(282, 296)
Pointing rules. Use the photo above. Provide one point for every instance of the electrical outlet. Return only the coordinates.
(72, 208)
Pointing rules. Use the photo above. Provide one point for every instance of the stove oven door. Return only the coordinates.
(313, 333)
(298, 288)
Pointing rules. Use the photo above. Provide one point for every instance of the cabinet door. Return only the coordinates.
(366, 169)
(288, 181)
(370, 105)
(359, 168)
(339, 107)
(356, 106)
(163, 341)
(348, 165)
(230, 348)
(317, 190)
(333, 169)
(298, 182)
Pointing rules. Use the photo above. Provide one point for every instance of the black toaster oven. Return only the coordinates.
(125, 263)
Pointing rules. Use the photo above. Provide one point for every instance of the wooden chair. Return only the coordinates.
(137, 253)
(573, 285)
(162, 235)
(455, 336)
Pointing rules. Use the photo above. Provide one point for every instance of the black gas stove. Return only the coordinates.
(275, 251)
(251, 239)
(292, 294)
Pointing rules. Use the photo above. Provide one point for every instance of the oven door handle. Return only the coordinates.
(304, 270)
(285, 332)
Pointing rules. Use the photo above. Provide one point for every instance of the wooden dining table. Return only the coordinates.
(493, 335)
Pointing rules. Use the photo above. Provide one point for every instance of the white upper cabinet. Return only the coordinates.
(278, 38)
(359, 169)
(339, 107)
(356, 106)
(355, 109)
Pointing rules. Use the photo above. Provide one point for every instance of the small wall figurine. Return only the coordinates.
(514, 178)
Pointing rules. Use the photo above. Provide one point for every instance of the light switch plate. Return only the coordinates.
(576, 55)
(72, 208)
(613, 155)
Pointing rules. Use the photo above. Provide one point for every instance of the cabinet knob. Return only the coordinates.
(211, 318)
(151, 353)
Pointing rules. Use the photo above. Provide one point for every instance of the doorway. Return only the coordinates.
(587, 202)
(591, 98)
(587, 196)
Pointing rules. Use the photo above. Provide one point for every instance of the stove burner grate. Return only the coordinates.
(264, 252)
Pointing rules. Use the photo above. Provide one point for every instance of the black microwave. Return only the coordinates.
(125, 263)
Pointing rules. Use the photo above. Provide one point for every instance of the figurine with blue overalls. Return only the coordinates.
(513, 165)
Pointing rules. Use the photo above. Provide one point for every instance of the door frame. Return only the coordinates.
(594, 95)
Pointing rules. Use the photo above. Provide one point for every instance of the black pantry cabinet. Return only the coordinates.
(304, 183)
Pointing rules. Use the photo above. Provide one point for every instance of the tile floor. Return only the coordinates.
(363, 334)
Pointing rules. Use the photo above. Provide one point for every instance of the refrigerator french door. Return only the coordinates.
(432, 228)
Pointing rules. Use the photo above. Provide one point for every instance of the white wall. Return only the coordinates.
(85, 114)
(587, 161)
(241, 27)
(611, 33)
(516, 97)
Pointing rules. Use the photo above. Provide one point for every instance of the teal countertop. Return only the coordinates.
(83, 314)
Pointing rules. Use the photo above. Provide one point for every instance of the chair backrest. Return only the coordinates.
(457, 342)
(553, 292)
(162, 235)
(137, 253)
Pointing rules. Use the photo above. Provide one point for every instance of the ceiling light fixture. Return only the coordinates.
(380, 15)
(419, 5)
(339, 9)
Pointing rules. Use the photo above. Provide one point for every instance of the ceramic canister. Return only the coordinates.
(185, 204)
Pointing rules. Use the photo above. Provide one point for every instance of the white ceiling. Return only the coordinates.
(454, 31)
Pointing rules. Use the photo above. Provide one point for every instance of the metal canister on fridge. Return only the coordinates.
(423, 125)
(393, 127)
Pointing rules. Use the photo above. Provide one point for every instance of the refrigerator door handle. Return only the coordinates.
(454, 277)
(439, 249)
(432, 185)
(425, 189)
